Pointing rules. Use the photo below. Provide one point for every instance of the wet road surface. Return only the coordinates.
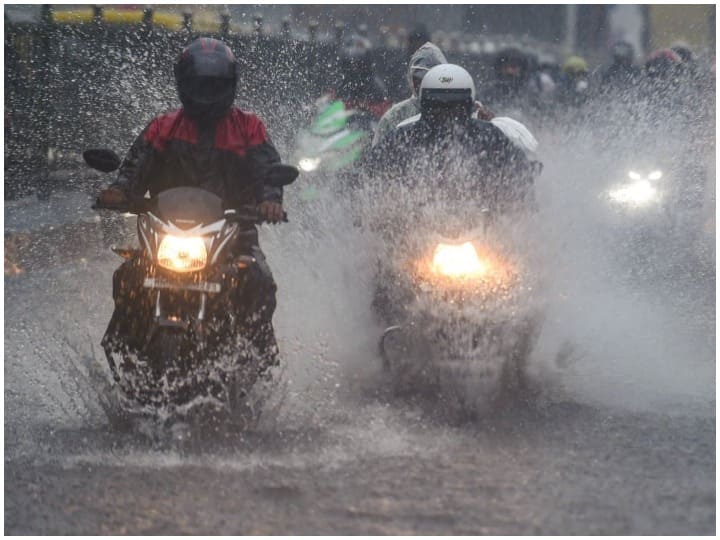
(341, 456)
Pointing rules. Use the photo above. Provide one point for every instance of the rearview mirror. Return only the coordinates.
(101, 159)
(280, 175)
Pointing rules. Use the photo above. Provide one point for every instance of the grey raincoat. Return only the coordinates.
(425, 58)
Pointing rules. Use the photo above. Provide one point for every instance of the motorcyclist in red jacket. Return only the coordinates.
(210, 144)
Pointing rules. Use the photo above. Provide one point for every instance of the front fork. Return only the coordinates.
(175, 321)
(195, 317)
(180, 322)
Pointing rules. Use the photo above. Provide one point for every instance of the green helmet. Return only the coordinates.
(575, 65)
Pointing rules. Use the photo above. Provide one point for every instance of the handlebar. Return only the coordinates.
(116, 208)
(133, 206)
(247, 214)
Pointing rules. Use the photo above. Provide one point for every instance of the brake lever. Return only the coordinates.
(283, 220)
(137, 206)
(116, 207)
(238, 217)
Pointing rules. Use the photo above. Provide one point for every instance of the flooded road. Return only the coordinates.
(340, 454)
(618, 434)
(563, 470)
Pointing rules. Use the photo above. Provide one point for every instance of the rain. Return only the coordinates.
(527, 349)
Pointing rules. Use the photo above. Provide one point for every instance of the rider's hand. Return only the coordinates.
(111, 197)
(271, 212)
(483, 113)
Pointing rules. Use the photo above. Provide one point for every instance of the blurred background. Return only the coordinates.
(585, 29)
(89, 75)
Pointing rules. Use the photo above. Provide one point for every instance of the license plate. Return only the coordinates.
(203, 286)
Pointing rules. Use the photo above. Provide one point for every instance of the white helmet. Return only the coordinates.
(447, 84)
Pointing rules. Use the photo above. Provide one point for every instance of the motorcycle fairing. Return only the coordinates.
(216, 235)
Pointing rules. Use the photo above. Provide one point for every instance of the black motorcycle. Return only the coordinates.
(181, 341)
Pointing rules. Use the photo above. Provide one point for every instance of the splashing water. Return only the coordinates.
(630, 316)
(608, 339)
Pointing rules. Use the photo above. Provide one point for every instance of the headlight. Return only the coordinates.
(637, 194)
(182, 254)
(459, 261)
(468, 266)
(654, 175)
(309, 164)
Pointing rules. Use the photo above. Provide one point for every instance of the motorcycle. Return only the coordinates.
(181, 341)
(653, 213)
(462, 318)
(335, 140)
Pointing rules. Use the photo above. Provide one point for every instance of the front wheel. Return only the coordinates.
(170, 360)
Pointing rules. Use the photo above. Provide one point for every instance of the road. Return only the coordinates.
(620, 441)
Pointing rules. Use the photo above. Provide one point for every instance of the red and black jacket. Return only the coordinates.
(228, 158)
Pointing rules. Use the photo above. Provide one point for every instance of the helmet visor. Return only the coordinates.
(446, 97)
(208, 89)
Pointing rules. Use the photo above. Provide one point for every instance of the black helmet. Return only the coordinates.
(417, 37)
(515, 59)
(683, 51)
(623, 53)
(663, 64)
(206, 77)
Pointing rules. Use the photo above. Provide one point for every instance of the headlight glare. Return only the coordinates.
(637, 194)
(457, 261)
(309, 164)
(182, 254)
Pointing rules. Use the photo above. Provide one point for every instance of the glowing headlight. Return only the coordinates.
(655, 175)
(457, 261)
(309, 164)
(638, 193)
(182, 254)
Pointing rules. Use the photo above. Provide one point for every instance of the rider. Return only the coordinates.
(359, 87)
(685, 53)
(664, 84)
(446, 154)
(446, 142)
(211, 144)
(663, 64)
(573, 88)
(425, 58)
(513, 86)
(621, 72)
